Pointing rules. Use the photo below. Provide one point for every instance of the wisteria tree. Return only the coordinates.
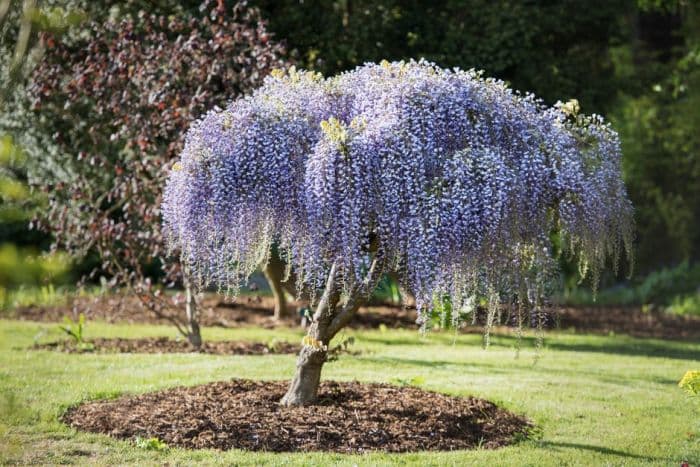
(450, 181)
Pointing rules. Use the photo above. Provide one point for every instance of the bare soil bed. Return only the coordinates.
(243, 311)
(349, 417)
(166, 345)
(257, 311)
(629, 320)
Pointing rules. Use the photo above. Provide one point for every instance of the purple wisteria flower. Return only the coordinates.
(454, 179)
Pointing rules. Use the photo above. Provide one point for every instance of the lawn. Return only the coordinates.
(597, 400)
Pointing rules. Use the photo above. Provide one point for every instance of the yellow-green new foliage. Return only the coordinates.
(20, 266)
(691, 382)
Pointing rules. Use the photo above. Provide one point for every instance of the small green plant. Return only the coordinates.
(691, 382)
(76, 332)
(274, 345)
(150, 444)
(685, 305)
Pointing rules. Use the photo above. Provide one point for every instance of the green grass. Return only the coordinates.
(596, 400)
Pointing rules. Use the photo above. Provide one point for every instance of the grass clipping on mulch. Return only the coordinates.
(166, 345)
(349, 417)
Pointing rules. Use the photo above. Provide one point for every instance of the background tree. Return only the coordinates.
(658, 117)
(537, 46)
(109, 111)
(447, 179)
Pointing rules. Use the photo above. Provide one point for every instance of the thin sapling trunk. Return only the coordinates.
(194, 335)
(274, 273)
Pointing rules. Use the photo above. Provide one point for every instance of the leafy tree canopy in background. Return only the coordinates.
(556, 49)
(658, 121)
(19, 52)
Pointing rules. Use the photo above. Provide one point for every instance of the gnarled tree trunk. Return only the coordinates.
(303, 389)
(329, 318)
(304, 386)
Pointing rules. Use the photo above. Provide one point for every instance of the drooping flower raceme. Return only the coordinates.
(456, 180)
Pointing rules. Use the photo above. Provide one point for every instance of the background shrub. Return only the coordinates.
(109, 110)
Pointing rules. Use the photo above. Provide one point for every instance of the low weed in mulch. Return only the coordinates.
(349, 417)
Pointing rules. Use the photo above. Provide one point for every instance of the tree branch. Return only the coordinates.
(148, 304)
(330, 295)
(159, 314)
(357, 297)
(4, 8)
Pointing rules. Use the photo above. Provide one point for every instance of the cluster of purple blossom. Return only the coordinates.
(454, 179)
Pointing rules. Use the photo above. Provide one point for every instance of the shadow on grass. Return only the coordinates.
(558, 446)
(620, 345)
(495, 369)
(400, 340)
(631, 348)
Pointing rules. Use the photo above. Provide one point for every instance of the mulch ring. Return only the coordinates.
(166, 345)
(348, 418)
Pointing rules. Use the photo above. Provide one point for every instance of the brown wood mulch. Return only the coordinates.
(630, 320)
(348, 418)
(167, 345)
(215, 312)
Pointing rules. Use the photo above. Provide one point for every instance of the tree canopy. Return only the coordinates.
(448, 178)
